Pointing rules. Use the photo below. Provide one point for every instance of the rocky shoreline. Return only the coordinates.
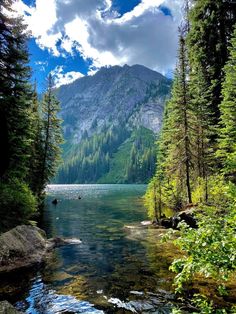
(187, 216)
(25, 247)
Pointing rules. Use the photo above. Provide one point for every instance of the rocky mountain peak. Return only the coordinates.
(110, 123)
(112, 95)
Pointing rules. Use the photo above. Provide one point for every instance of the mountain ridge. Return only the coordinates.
(128, 97)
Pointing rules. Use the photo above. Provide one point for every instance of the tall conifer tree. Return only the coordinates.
(15, 95)
(16, 200)
(227, 130)
(179, 160)
(50, 139)
(211, 25)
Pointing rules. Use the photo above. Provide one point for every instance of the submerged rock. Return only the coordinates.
(146, 223)
(146, 305)
(21, 247)
(55, 201)
(7, 308)
(58, 241)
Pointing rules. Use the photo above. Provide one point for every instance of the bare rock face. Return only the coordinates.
(7, 308)
(110, 107)
(130, 93)
(21, 247)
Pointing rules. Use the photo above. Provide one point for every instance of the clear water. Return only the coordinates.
(120, 267)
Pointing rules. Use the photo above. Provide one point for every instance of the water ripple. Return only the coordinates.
(42, 300)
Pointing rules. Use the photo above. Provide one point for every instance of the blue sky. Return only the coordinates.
(72, 38)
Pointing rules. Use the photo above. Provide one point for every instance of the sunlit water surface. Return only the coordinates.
(116, 269)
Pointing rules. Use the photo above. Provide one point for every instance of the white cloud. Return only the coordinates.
(40, 20)
(79, 31)
(61, 78)
(145, 35)
(139, 10)
(67, 44)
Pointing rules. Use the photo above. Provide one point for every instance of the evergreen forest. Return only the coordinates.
(30, 131)
(196, 158)
(114, 155)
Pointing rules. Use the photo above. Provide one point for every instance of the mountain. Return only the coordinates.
(110, 122)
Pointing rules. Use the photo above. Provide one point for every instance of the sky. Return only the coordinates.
(73, 38)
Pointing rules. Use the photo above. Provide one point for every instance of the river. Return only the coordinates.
(120, 266)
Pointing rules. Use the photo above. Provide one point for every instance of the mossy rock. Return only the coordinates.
(7, 308)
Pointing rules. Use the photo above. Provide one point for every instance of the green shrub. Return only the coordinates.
(220, 192)
(17, 203)
(210, 250)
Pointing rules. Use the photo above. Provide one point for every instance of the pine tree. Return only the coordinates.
(37, 144)
(51, 138)
(153, 199)
(227, 131)
(179, 160)
(211, 25)
(158, 186)
(202, 127)
(15, 95)
(17, 202)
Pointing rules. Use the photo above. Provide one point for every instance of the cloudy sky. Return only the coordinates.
(72, 38)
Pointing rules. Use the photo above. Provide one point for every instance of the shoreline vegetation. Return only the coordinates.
(196, 158)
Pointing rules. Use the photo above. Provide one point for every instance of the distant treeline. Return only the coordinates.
(129, 155)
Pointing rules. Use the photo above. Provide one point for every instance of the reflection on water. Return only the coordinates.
(43, 300)
(116, 269)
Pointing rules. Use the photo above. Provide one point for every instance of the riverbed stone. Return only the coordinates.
(21, 247)
(187, 216)
(7, 308)
(58, 241)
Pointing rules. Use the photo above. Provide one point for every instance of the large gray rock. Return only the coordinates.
(22, 247)
(7, 308)
(26, 246)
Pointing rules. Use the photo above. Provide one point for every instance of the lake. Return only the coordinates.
(120, 266)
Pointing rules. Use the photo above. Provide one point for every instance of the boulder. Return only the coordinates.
(22, 247)
(166, 222)
(27, 246)
(7, 308)
(187, 216)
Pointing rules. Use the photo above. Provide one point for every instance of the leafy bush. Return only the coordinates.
(220, 193)
(210, 250)
(17, 203)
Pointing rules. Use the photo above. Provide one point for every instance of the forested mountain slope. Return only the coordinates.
(115, 113)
